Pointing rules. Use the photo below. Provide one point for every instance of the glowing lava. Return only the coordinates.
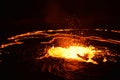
(79, 53)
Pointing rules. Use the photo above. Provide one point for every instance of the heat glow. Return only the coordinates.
(78, 53)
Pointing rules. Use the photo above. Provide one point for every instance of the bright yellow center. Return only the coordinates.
(79, 53)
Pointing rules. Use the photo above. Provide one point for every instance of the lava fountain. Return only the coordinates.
(65, 52)
(78, 53)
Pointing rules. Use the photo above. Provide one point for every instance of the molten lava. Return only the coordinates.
(79, 53)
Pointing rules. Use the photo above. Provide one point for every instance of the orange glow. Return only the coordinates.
(73, 48)
(79, 53)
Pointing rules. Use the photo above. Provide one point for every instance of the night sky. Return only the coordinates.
(29, 12)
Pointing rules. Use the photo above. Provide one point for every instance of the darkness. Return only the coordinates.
(19, 16)
(100, 11)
